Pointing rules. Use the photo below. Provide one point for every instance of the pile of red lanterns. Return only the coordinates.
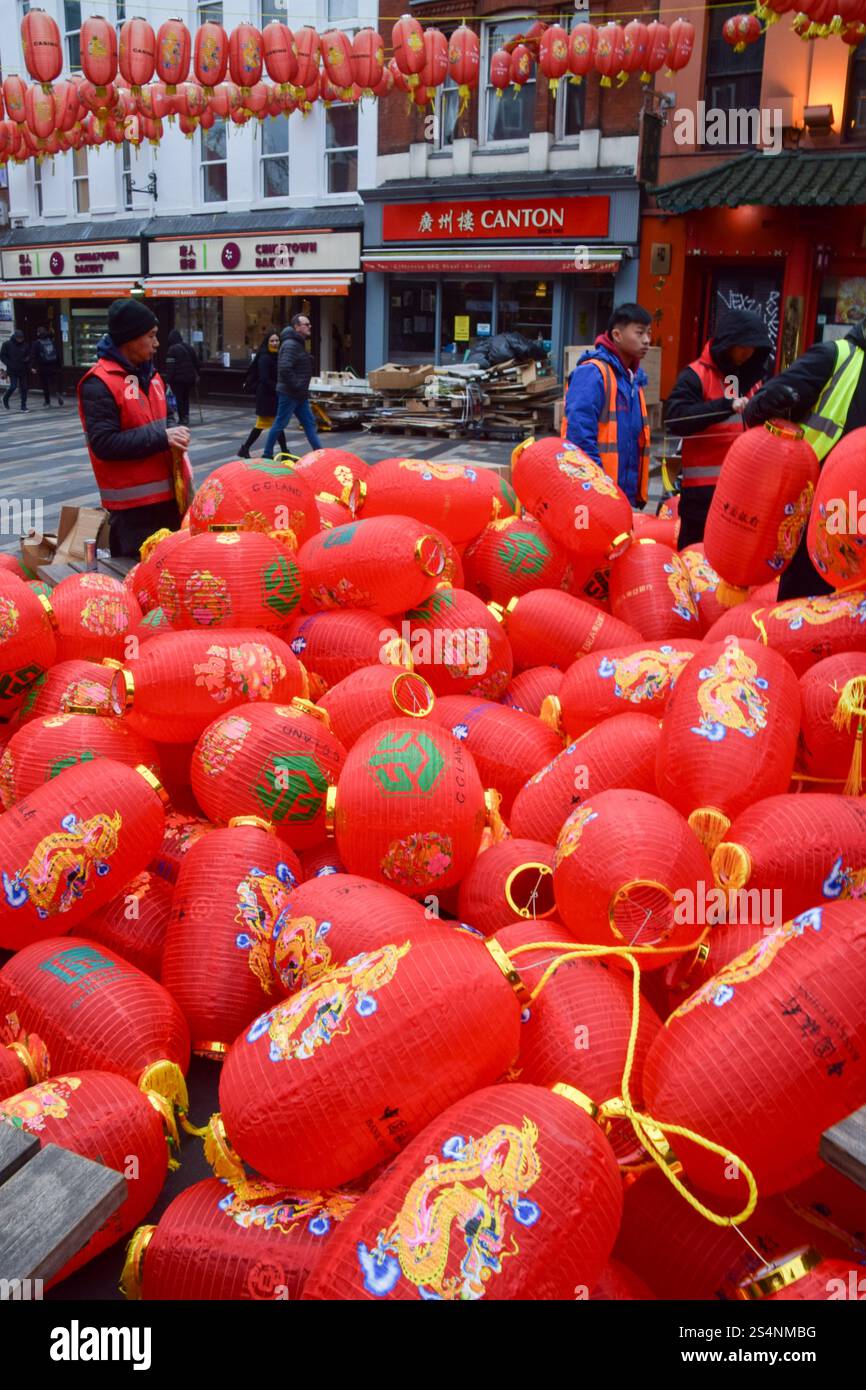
(407, 805)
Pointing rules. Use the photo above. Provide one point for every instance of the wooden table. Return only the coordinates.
(844, 1147)
(118, 567)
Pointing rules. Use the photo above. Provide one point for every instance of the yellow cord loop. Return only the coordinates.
(851, 702)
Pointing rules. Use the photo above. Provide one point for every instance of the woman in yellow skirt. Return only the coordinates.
(263, 376)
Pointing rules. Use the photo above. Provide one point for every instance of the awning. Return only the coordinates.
(112, 287)
(220, 286)
(536, 259)
(789, 179)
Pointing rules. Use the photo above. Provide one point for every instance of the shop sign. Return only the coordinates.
(72, 262)
(261, 254)
(496, 218)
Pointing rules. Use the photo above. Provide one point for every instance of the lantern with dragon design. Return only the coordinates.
(836, 535)
(28, 646)
(575, 500)
(650, 590)
(210, 54)
(638, 678)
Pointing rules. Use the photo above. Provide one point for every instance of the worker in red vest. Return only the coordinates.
(121, 401)
(705, 408)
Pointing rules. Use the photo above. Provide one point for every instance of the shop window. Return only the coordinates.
(210, 11)
(508, 117)
(201, 324)
(275, 157)
(526, 306)
(570, 106)
(72, 28)
(467, 317)
(412, 322)
(341, 148)
(271, 10)
(855, 115)
(733, 80)
(214, 164)
(80, 180)
(88, 326)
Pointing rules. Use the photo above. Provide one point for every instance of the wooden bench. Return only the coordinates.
(118, 567)
(51, 1203)
(844, 1147)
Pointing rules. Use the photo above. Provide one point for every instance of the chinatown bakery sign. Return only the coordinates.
(496, 218)
(260, 254)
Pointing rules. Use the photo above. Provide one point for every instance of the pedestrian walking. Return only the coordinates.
(47, 362)
(181, 372)
(15, 356)
(605, 411)
(294, 373)
(705, 408)
(121, 401)
(824, 391)
(262, 377)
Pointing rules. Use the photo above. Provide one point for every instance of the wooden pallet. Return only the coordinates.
(844, 1147)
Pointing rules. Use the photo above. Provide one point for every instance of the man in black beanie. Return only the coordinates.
(121, 401)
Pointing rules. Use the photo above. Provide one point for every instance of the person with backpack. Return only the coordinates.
(46, 359)
(15, 356)
(261, 377)
(181, 372)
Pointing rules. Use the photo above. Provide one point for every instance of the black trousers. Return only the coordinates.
(49, 380)
(694, 510)
(127, 529)
(181, 394)
(16, 380)
(801, 579)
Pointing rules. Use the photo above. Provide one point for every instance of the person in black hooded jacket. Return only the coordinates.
(181, 372)
(705, 408)
(263, 375)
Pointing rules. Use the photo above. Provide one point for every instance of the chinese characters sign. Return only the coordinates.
(72, 262)
(269, 252)
(500, 218)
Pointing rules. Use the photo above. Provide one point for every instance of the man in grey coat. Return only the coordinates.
(294, 372)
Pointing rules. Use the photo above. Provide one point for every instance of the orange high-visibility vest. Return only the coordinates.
(703, 454)
(608, 447)
(140, 482)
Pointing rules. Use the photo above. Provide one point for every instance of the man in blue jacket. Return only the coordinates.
(294, 374)
(605, 409)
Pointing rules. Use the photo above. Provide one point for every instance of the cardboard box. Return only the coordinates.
(392, 377)
(76, 525)
(652, 365)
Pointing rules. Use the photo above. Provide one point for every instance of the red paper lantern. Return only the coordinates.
(333, 645)
(650, 590)
(241, 1240)
(94, 1009)
(791, 1011)
(506, 745)
(153, 622)
(553, 55)
(635, 37)
(526, 1166)
(741, 30)
(23, 1063)
(182, 831)
(137, 52)
(609, 52)
(211, 54)
(520, 68)
(409, 807)
(407, 40)
(512, 556)
(98, 40)
(574, 499)
(231, 579)
(837, 530)
(307, 45)
(529, 690)
(703, 582)
(618, 1284)
(729, 736)
(279, 53)
(45, 747)
(581, 51)
(42, 46)
(367, 59)
(457, 644)
(681, 41)
(804, 1276)
(656, 528)
(724, 943)
(154, 103)
(621, 680)
(192, 100)
(444, 495)
(39, 110)
(831, 1204)
(135, 922)
(104, 1118)
(27, 640)
(231, 900)
(640, 876)
(336, 916)
(807, 630)
(274, 761)
(464, 59)
(14, 92)
(69, 845)
(357, 1021)
(553, 628)
(336, 51)
(386, 563)
(172, 52)
(500, 70)
(509, 880)
(435, 68)
(99, 101)
(94, 616)
(828, 727)
(245, 55)
(385, 85)
(760, 505)
(335, 472)
(67, 106)
(181, 681)
(372, 694)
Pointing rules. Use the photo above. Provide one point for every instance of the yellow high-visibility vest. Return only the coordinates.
(824, 426)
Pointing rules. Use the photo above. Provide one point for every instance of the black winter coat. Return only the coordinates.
(793, 393)
(181, 363)
(687, 412)
(294, 366)
(102, 418)
(264, 374)
(15, 355)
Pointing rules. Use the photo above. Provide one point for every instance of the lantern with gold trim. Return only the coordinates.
(582, 43)
(384, 563)
(23, 1063)
(575, 500)
(833, 694)
(28, 644)
(464, 58)
(458, 644)
(638, 678)
(258, 495)
(528, 690)
(95, 614)
(805, 1275)
(372, 694)
(182, 831)
(230, 578)
(548, 627)
(135, 922)
(703, 582)
(507, 746)
(333, 645)
(509, 880)
(512, 556)
(47, 746)
(650, 590)
(444, 495)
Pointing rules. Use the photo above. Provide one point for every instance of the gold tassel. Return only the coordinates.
(729, 595)
(493, 801)
(551, 713)
(130, 1279)
(148, 546)
(710, 825)
(732, 866)
(849, 704)
(167, 1079)
(220, 1154)
(166, 1114)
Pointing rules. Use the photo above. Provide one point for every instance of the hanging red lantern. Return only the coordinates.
(385, 563)
(274, 761)
(550, 627)
(581, 51)
(180, 681)
(71, 843)
(510, 880)
(279, 53)
(435, 68)
(457, 644)
(635, 37)
(231, 900)
(410, 807)
(192, 100)
(172, 53)
(211, 54)
(637, 857)
(39, 110)
(574, 499)
(311, 93)
(372, 694)
(770, 11)
(246, 60)
(519, 1149)
(384, 86)
(333, 645)
(506, 746)
(464, 61)
(98, 41)
(531, 688)
(307, 45)
(27, 640)
(809, 971)
(94, 615)
(401, 82)
(500, 71)
(420, 989)
(336, 53)
(137, 52)
(241, 1240)
(42, 46)
(67, 106)
(14, 93)
(681, 41)
(831, 724)
(229, 578)
(837, 531)
(226, 100)
(23, 1062)
(620, 680)
(609, 52)
(741, 30)
(98, 100)
(45, 747)
(154, 103)
(853, 34)
(650, 590)
(407, 40)
(104, 1118)
(134, 923)
(553, 55)
(520, 69)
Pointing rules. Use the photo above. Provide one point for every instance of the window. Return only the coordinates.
(80, 180)
(342, 9)
(447, 106)
(210, 11)
(37, 186)
(467, 317)
(508, 117)
(119, 13)
(526, 306)
(570, 104)
(733, 80)
(126, 158)
(412, 321)
(273, 9)
(341, 148)
(72, 26)
(214, 166)
(275, 157)
(855, 116)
